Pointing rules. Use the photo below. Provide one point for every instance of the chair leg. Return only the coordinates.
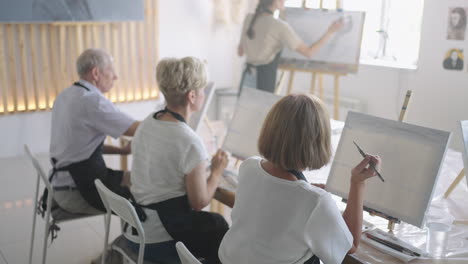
(33, 231)
(47, 227)
(107, 219)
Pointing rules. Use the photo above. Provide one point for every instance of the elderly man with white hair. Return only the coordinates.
(81, 119)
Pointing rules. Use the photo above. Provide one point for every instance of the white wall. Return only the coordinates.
(439, 97)
(442, 95)
(188, 28)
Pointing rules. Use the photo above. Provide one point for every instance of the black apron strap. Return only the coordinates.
(299, 175)
(174, 114)
(42, 207)
(81, 85)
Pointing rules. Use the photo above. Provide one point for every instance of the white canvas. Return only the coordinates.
(197, 117)
(244, 129)
(412, 157)
(464, 130)
(310, 25)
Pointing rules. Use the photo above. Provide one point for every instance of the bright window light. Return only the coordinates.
(392, 29)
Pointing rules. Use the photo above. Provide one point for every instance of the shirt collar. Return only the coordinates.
(90, 86)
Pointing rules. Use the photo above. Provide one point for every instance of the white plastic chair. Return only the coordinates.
(185, 255)
(59, 215)
(125, 210)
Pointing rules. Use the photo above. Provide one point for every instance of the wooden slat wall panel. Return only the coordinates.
(3, 71)
(12, 71)
(46, 68)
(37, 61)
(33, 42)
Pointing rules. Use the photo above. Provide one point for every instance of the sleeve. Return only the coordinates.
(196, 153)
(106, 118)
(327, 233)
(289, 37)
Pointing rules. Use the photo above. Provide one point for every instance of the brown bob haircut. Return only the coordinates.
(296, 134)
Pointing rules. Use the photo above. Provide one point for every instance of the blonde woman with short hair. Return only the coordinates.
(170, 179)
(279, 217)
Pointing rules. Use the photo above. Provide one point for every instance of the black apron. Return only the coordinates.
(300, 176)
(265, 77)
(85, 172)
(201, 232)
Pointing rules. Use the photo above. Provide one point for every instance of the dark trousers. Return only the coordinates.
(85, 172)
(200, 231)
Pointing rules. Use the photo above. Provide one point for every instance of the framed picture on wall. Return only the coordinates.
(456, 26)
(453, 60)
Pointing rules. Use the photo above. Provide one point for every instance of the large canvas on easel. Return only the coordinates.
(411, 156)
(340, 54)
(464, 130)
(244, 129)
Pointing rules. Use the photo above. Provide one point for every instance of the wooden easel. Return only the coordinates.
(449, 191)
(454, 183)
(391, 220)
(317, 76)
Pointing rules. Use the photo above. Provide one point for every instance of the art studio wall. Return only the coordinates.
(439, 96)
(186, 28)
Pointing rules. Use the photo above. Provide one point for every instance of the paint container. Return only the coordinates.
(437, 236)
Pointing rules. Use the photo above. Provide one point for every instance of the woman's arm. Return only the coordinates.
(311, 50)
(200, 190)
(125, 150)
(225, 197)
(353, 212)
(132, 129)
(240, 50)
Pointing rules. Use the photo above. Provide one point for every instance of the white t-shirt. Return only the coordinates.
(271, 36)
(163, 153)
(81, 120)
(279, 221)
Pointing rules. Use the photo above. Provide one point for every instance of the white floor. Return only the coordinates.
(78, 242)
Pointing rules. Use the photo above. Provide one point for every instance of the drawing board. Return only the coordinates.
(244, 129)
(340, 54)
(411, 161)
(464, 130)
(197, 117)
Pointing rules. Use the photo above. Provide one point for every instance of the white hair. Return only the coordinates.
(90, 59)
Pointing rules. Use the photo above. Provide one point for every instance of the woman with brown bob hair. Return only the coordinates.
(280, 218)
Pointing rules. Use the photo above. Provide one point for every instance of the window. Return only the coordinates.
(392, 29)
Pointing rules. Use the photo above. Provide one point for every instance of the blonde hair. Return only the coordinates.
(176, 77)
(296, 134)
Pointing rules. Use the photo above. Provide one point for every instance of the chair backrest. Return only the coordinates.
(40, 171)
(120, 206)
(185, 255)
(125, 210)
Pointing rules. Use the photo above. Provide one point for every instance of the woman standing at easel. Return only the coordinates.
(264, 37)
